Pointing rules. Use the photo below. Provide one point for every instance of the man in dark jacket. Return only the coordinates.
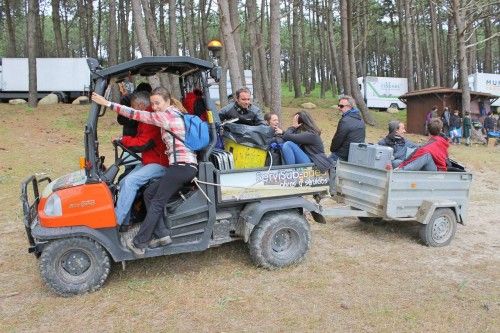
(396, 140)
(242, 109)
(351, 128)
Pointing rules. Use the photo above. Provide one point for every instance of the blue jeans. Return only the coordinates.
(129, 186)
(292, 154)
(423, 163)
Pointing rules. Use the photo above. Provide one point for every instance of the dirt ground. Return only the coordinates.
(357, 277)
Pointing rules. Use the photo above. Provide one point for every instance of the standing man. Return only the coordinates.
(351, 128)
(242, 109)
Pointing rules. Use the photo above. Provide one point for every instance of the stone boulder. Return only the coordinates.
(392, 110)
(308, 105)
(49, 99)
(81, 100)
(17, 101)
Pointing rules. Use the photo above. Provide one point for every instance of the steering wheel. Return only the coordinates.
(132, 158)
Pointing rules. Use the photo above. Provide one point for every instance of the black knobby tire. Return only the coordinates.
(74, 266)
(441, 228)
(280, 239)
(370, 219)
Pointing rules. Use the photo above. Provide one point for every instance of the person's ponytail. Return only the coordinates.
(175, 102)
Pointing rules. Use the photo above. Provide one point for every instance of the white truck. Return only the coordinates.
(214, 86)
(67, 77)
(383, 92)
(486, 83)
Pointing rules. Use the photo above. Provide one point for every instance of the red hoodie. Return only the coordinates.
(437, 146)
(146, 133)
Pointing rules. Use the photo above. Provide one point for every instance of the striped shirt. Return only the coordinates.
(171, 120)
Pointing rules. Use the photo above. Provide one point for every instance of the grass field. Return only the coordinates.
(357, 277)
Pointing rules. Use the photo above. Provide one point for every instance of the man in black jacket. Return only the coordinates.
(351, 128)
(242, 109)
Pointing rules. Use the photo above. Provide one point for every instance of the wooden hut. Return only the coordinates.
(419, 102)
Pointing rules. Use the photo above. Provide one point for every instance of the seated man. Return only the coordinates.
(351, 128)
(242, 109)
(431, 156)
(154, 160)
(396, 140)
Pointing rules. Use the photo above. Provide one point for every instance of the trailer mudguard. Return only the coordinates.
(427, 208)
(107, 238)
(251, 215)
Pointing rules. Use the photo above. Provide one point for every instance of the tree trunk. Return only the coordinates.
(409, 47)
(334, 62)
(346, 68)
(189, 27)
(488, 46)
(234, 18)
(402, 33)
(162, 29)
(296, 46)
(151, 30)
(11, 31)
(258, 93)
(174, 45)
(113, 35)
(275, 45)
(56, 24)
(142, 38)
(416, 42)
(261, 47)
(435, 50)
(204, 13)
(451, 53)
(32, 49)
(353, 80)
(231, 53)
(462, 60)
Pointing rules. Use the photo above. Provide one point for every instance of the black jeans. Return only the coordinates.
(156, 197)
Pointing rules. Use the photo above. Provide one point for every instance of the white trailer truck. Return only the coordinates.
(487, 83)
(214, 86)
(67, 77)
(383, 92)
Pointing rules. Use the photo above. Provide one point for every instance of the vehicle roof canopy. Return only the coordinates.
(148, 66)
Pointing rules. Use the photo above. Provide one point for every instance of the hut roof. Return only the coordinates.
(444, 90)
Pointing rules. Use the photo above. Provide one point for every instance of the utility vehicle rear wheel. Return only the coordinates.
(441, 228)
(280, 239)
(74, 266)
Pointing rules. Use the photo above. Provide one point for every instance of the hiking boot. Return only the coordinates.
(138, 252)
(156, 242)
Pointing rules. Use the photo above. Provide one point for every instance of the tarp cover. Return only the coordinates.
(252, 136)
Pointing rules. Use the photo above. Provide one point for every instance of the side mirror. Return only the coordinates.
(216, 73)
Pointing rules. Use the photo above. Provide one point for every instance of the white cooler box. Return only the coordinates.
(370, 155)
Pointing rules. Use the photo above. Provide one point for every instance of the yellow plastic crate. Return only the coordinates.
(245, 157)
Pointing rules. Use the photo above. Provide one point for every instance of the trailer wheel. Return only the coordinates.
(74, 266)
(280, 239)
(441, 228)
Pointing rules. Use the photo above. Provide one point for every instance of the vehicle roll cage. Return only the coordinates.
(191, 71)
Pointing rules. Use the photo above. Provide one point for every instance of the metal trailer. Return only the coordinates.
(437, 200)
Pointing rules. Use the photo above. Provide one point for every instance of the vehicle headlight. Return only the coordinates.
(53, 206)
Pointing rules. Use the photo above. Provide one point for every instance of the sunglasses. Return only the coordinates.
(342, 105)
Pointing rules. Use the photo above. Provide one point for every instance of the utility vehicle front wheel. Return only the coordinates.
(280, 239)
(74, 266)
(441, 228)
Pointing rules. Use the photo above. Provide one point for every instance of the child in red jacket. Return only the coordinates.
(431, 156)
